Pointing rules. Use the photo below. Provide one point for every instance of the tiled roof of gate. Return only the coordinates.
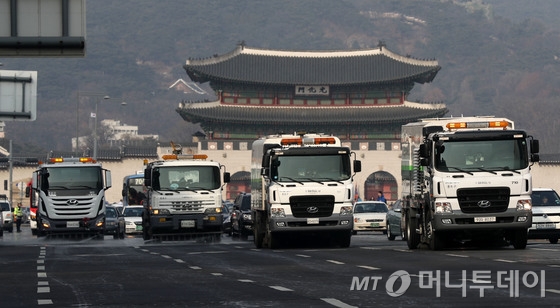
(355, 67)
(355, 115)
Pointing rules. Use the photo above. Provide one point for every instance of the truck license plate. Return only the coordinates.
(72, 224)
(312, 221)
(547, 225)
(188, 223)
(485, 219)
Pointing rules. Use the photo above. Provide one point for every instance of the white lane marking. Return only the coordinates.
(335, 302)
(42, 275)
(44, 302)
(206, 252)
(216, 274)
(40, 261)
(245, 280)
(166, 256)
(454, 255)
(335, 262)
(280, 288)
(368, 267)
(42, 283)
(43, 290)
(304, 256)
(506, 261)
(553, 291)
(179, 261)
(41, 268)
(195, 267)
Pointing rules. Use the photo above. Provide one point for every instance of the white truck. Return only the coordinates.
(71, 196)
(302, 184)
(184, 198)
(466, 178)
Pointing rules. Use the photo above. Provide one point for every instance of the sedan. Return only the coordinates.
(394, 222)
(370, 216)
(133, 219)
(226, 220)
(114, 223)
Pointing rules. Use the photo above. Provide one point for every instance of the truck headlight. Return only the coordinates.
(277, 212)
(161, 212)
(213, 210)
(246, 216)
(443, 207)
(345, 210)
(524, 205)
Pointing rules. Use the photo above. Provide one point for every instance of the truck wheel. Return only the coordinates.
(273, 241)
(412, 238)
(344, 239)
(33, 231)
(553, 240)
(217, 238)
(390, 235)
(403, 231)
(519, 240)
(1, 232)
(258, 238)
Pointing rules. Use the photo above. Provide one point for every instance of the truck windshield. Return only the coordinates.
(74, 178)
(311, 168)
(187, 178)
(481, 155)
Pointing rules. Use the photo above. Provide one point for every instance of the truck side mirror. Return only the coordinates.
(423, 150)
(357, 166)
(227, 177)
(534, 146)
(264, 172)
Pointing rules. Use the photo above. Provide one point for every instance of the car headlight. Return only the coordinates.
(246, 216)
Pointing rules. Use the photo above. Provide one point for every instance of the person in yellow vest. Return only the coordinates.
(18, 216)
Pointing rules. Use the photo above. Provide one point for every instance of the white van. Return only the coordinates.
(546, 215)
(7, 214)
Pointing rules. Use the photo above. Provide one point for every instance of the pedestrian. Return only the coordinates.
(380, 197)
(18, 216)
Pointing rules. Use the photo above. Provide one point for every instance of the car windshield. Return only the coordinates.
(246, 204)
(133, 212)
(110, 213)
(545, 198)
(5, 206)
(370, 208)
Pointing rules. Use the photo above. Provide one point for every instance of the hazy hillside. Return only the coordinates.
(492, 62)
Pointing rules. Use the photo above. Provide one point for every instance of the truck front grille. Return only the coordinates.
(483, 200)
(312, 206)
(73, 207)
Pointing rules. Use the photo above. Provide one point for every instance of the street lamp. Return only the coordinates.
(98, 97)
(106, 97)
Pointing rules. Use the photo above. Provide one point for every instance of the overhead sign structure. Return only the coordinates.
(39, 28)
(18, 95)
